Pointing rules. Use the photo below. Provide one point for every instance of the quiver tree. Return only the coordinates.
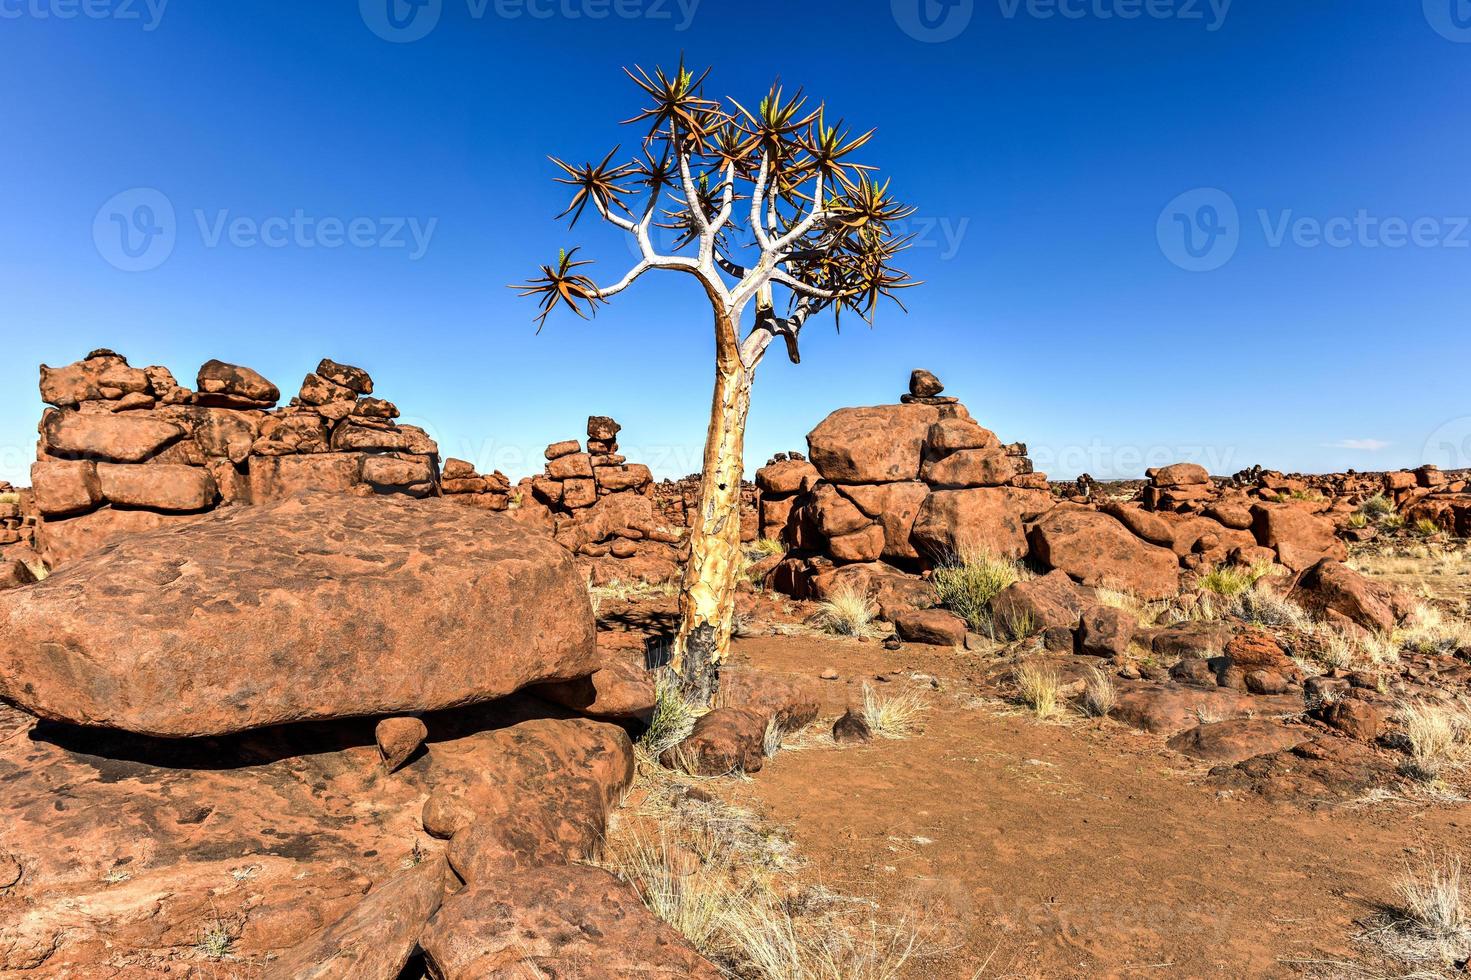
(820, 233)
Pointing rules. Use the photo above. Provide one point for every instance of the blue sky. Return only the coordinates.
(1058, 151)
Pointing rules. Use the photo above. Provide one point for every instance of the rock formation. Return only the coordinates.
(602, 508)
(126, 449)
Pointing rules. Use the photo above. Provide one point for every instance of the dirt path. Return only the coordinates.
(1083, 850)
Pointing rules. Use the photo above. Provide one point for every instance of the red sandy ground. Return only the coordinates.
(1077, 850)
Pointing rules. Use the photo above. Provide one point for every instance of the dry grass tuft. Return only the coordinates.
(765, 548)
(1436, 735)
(673, 718)
(1099, 695)
(727, 884)
(1433, 631)
(1432, 923)
(1233, 580)
(846, 612)
(1038, 688)
(894, 715)
(966, 582)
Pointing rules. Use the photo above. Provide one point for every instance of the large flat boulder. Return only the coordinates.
(882, 444)
(1097, 550)
(953, 522)
(320, 606)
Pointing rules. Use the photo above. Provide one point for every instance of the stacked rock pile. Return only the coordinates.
(897, 489)
(461, 484)
(679, 502)
(890, 483)
(601, 507)
(127, 449)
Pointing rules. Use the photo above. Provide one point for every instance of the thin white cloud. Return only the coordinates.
(1362, 445)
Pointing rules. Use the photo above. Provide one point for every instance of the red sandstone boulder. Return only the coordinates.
(346, 375)
(786, 477)
(1097, 550)
(219, 433)
(399, 738)
(128, 438)
(102, 376)
(896, 507)
(1300, 539)
(863, 545)
(1106, 632)
(66, 541)
(986, 519)
(557, 921)
(1041, 603)
(224, 385)
(375, 940)
(158, 486)
(935, 627)
(1180, 474)
(882, 444)
(952, 435)
(278, 477)
(1233, 741)
(320, 606)
(724, 741)
(1151, 527)
(969, 468)
(65, 486)
(1333, 586)
(835, 514)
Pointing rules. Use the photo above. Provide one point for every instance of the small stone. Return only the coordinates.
(829, 675)
(851, 729)
(893, 643)
(923, 384)
(399, 738)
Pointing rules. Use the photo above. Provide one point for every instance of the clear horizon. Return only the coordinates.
(1233, 233)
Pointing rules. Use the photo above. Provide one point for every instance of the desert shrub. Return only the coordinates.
(1232, 580)
(1433, 921)
(9, 498)
(1264, 606)
(766, 547)
(1391, 522)
(1436, 736)
(1429, 630)
(1358, 519)
(215, 941)
(965, 583)
(673, 717)
(893, 715)
(845, 612)
(1426, 528)
(1099, 695)
(1038, 688)
(1376, 507)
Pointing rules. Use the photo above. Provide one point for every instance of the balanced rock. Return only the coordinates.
(319, 606)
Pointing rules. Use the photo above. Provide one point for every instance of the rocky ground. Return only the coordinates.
(1193, 830)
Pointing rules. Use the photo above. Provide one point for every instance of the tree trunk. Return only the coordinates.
(707, 591)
